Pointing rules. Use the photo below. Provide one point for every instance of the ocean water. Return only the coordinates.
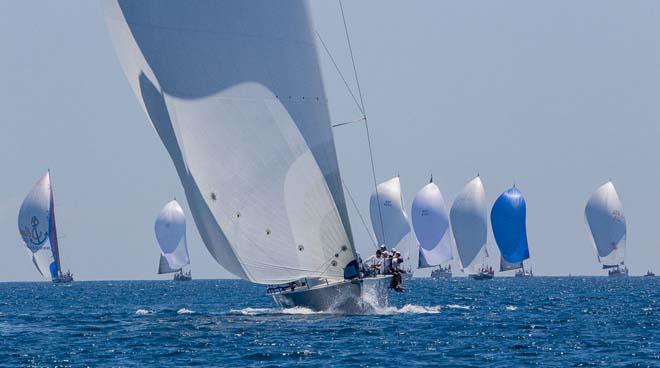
(544, 321)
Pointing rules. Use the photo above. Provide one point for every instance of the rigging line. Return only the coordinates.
(327, 51)
(346, 123)
(357, 209)
(350, 50)
(366, 123)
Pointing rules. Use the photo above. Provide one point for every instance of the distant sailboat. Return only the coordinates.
(36, 223)
(170, 230)
(469, 225)
(508, 221)
(235, 92)
(604, 215)
(431, 224)
(390, 222)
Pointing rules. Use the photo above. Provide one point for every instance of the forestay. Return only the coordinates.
(469, 222)
(508, 220)
(170, 230)
(390, 222)
(234, 90)
(36, 223)
(607, 222)
(431, 225)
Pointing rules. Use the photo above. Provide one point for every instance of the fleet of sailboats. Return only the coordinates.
(253, 147)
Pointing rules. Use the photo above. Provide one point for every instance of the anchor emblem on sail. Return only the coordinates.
(37, 237)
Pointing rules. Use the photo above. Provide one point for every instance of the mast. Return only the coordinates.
(53, 228)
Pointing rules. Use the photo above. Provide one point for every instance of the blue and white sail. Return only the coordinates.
(388, 219)
(170, 231)
(508, 221)
(469, 222)
(36, 223)
(431, 225)
(234, 90)
(607, 222)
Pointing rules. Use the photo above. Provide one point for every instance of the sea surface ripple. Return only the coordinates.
(544, 321)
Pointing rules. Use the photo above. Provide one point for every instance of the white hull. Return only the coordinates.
(345, 296)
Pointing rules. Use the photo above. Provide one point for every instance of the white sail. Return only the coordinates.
(431, 224)
(604, 215)
(395, 229)
(469, 224)
(170, 230)
(35, 224)
(164, 266)
(234, 90)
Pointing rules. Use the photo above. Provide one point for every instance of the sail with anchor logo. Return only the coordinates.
(431, 224)
(234, 91)
(36, 224)
(607, 222)
(170, 231)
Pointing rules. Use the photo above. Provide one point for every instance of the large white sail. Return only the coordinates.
(390, 222)
(604, 215)
(234, 90)
(469, 222)
(431, 224)
(36, 223)
(170, 230)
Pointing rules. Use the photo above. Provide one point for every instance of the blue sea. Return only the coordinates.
(544, 321)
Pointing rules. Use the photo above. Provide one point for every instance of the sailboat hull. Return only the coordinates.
(345, 296)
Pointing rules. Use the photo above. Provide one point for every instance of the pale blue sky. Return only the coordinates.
(557, 95)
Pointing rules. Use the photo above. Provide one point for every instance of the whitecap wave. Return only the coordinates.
(409, 309)
(458, 306)
(511, 308)
(185, 311)
(143, 312)
(261, 311)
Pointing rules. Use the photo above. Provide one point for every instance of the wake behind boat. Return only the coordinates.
(36, 223)
(235, 93)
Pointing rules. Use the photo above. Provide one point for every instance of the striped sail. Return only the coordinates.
(508, 221)
(36, 224)
(234, 90)
(607, 222)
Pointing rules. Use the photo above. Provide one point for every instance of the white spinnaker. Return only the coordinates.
(34, 225)
(431, 224)
(234, 91)
(469, 221)
(395, 229)
(170, 230)
(607, 222)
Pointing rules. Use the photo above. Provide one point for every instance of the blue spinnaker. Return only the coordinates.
(508, 220)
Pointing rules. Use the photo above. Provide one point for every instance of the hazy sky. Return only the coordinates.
(557, 95)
